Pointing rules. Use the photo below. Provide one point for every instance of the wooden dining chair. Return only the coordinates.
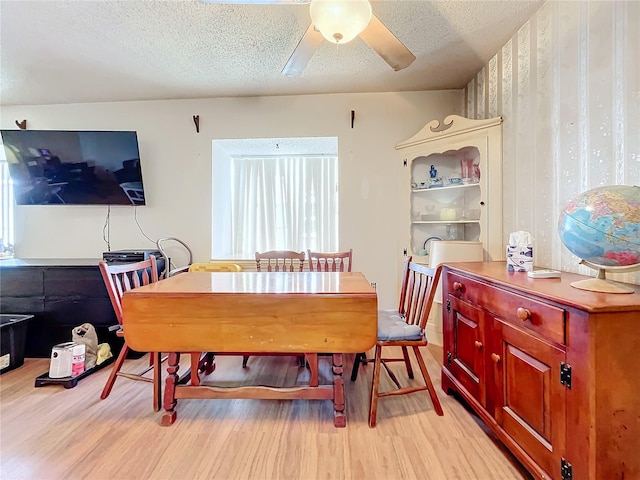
(118, 279)
(406, 329)
(333, 262)
(280, 261)
(330, 262)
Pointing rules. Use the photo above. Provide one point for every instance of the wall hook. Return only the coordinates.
(22, 125)
(353, 117)
(196, 120)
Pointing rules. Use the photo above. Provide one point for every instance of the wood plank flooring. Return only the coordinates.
(52, 433)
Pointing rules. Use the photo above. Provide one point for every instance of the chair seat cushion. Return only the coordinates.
(392, 327)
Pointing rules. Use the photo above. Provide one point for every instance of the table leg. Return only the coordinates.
(157, 380)
(195, 369)
(339, 417)
(337, 364)
(312, 360)
(170, 390)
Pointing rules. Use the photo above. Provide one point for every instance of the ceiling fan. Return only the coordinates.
(327, 23)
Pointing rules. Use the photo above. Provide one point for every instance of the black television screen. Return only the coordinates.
(50, 167)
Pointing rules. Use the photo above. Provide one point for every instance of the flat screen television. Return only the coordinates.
(56, 167)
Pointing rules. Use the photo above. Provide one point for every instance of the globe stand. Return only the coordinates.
(600, 283)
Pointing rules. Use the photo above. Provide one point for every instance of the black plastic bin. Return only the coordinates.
(13, 336)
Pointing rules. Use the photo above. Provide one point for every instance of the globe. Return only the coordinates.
(602, 227)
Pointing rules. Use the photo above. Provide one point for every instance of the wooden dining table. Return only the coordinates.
(292, 313)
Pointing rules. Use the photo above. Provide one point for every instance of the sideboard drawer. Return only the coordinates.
(544, 319)
(466, 288)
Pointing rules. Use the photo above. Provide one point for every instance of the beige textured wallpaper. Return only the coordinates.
(568, 87)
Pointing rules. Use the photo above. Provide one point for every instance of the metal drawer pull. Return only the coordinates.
(523, 314)
(478, 344)
(457, 286)
(495, 357)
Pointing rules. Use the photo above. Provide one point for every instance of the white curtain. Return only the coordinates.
(284, 203)
(6, 207)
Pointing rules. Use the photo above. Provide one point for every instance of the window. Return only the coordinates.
(274, 201)
(287, 203)
(6, 207)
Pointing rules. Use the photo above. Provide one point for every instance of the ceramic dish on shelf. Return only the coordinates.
(455, 180)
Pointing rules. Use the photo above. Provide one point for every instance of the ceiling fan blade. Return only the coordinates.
(303, 52)
(380, 38)
(256, 2)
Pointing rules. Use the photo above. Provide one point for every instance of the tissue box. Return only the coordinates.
(519, 258)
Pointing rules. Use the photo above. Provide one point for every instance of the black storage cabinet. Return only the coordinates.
(60, 294)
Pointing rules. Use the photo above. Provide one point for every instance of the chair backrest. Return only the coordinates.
(215, 267)
(280, 261)
(330, 262)
(119, 278)
(417, 292)
(174, 246)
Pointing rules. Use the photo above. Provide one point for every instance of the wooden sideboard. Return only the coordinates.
(61, 294)
(551, 369)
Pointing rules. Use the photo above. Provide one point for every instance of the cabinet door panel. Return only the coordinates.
(73, 312)
(26, 305)
(530, 400)
(21, 282)
(465, 345)
(74, 281)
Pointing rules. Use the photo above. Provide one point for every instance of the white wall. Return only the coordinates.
(221, 168)
(176, 165)
(568, 87)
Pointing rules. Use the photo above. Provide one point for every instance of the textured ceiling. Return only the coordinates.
(92, 51)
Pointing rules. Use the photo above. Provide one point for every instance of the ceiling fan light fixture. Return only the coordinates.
(340, 21)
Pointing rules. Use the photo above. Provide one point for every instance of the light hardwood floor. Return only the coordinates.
(56, 433)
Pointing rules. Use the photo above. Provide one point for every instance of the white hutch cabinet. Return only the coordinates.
(453, 180)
